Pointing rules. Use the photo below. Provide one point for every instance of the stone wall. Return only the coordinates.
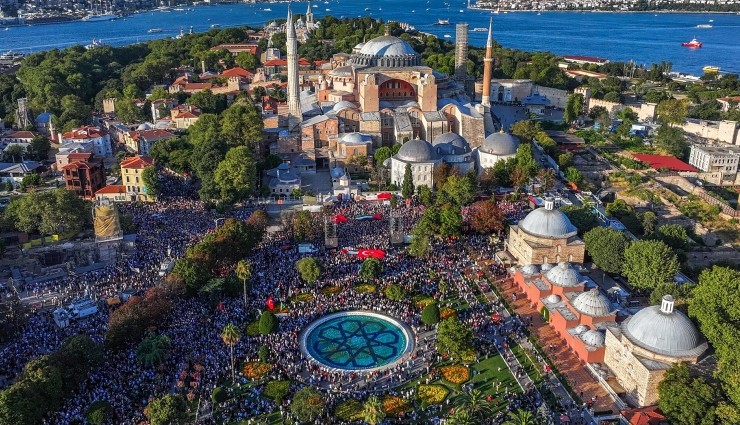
(558, 97)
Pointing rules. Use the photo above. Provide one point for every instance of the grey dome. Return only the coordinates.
(593, 338)
(387, 45)
(356, 139)
(451, 144)
(564, 275)
(593, 303)
(548, 223)
(530, 269)
(662, 330)
(553, 298)
(546, 266)
(343, 105)
(416, 151)
(581, 329)
(501, 144)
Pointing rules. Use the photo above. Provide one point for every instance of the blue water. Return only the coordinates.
(356, 342)
(644, 37)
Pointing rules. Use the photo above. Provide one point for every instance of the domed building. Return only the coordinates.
(422, 157)
(647, 344)
(496, 147)
(545, 235)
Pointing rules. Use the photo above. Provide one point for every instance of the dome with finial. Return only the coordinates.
(416, 151)
(501, 144)
(564, 275)
(548, 222)
(386, 51)
(593, 303)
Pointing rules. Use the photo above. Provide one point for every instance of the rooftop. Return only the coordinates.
(663, 161)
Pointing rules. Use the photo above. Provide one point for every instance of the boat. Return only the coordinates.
(267, 9)
(461, 10)
(328, 10)
(99, 17)
(704, 26)
(709, 69)
(95, 44)
(154, 30)
(367, 9)
(694, 43)
(178, 9)
(448, 36)
(10, 57)
(538, 14)
(479, 29)
(711, 20)
(442, 22)
(215, 25)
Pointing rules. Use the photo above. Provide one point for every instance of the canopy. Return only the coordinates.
(339, 218)
(384, 196)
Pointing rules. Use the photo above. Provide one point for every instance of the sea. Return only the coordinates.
(645, 38)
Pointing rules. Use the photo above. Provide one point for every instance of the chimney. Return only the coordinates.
(666, 305)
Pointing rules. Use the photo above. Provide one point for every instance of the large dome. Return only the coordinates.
(387, 45)
(416, 151)
(451, 144)
(564, 275)
(548, 222)
(662, 330)
(501, 144)
(593, 303)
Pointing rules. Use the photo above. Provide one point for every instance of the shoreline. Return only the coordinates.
(667, 12)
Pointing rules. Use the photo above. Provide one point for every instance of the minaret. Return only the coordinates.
(488, 68)
(294, 105)
(309, 17)
(461, 53)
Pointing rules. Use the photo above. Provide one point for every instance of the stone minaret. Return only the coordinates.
(488, 68)
(294, 104)
(461, 53)
(309, 16)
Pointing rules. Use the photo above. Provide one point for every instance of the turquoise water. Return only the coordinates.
(356, 342)
(644, 37)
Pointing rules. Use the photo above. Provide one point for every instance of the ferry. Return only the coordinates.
(154, 30)
(267, 9)
(215, 25)
(443, 22)
(694, 43)
(99, 17)
(95, 44)
(704, 26)
(709, 69)
(448, 36)
(479, 29)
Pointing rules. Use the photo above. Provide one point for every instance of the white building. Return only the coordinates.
(422, 158)
(717, 164)
(99, 138)
(496, 147)
(283, 181)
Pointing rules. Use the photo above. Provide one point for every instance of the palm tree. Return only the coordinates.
(477, 405)
(153, 350)
(372, 411)
(230, 336)
(243, 272)
(521, 417)
(461, 416)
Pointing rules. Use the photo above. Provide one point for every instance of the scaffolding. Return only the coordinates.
(106, 222)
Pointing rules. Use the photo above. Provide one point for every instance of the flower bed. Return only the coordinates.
(256, 370)
(302, 297)
(455, 374)
(331, 290)
(276, 390)
(395, 406)
(432, 393)
(422, 301)
(365, 288)
(349, 410)
(469, 356)
(447, 312)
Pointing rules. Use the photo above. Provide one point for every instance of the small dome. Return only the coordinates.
(564, 275)
(416, 151)
(144, 126)
(593, 303)
(337, 172)
(546, 266)
(593, 338)
(357, 138)
(283, 166)
(386, 45)
(530, 269)
(548, 222)
(552, 298)
(581, 329)
(451, 144)
(662, 330)
(501, 144)
(343, 105)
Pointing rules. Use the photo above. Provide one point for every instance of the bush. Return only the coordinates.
(276, 390)
(395, 292)
(253, 329)
(309, 269)
(365, 288)
(219, 395)
(349, 410)
(395, 406)
(370, 269)
(430, 315)
(307, 404)
(99, 412)
(268, 323)
(263, 353)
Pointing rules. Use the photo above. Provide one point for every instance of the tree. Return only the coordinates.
(420, 246)
(573, 175)
(672, 111)
(458, 190)
(132, 92)
(597, 111)
(268, 323)
(247, 60)
(128, 112)
(582, 217)
(372, 411)
(407, 187)
(151, 180)
(673, 235)
(158, 93)
(453, 338)
(208, 102)
(309, 269)
(686, 400)
(236, 175)
(525, 160)
(573, 107)
(31, 180)
(450, 220)
(425, 195)
(672, 140)
(713, 304)
(371, 269)
(648, 220)
(477, 405)
(39, 148)
(395, 292)
(241, 125)
(648, 263)
(219, 395)
(170, 409)
(430, 314)
(243, 272)
(565, 160)
(230, 336)
(606, 247)
(99, 412)
(381, 154)
(546, 177)
(525, 130)
(487, 217)
(57, 211)
(521, 417)
(460, 416)
(307, 404)
(153, 350)
(302, 226)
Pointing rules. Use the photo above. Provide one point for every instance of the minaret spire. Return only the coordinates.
(488, 68)
(294, 105)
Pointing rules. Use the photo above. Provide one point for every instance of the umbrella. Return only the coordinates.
(564, 419)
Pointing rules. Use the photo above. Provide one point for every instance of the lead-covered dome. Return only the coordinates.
(663, 330)
(344, 104)
(548, 222)
(593, 338)
(451, 144)
(501, 144)
(564, 275)
(356, 139)
(387, 45)
(416, 151)
(593, 303)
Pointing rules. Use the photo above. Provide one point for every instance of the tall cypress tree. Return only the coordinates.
(407, 189)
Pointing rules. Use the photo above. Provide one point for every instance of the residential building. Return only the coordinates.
(115, 193)
(98, 137)
(184, 115)
(729, 102)
(14, 172)
(62, 158)
(236, 48)
(17, 137)
(131, 170)
(141, 141)
(718, 164)
(84, 174)
(161, 105)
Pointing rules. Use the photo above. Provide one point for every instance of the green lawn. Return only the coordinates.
(532, 370)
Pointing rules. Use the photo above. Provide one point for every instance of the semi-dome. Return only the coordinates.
(564, 275)
(581, 329)
(665, 331)
(501, 144)
(548, 222)
(343, 105)
(593, 338)
(451, 144)
(530, 269)
(416, 151)
(592, 303)
(356, 139)
(553, 298)
(546, 266)
(387, 45)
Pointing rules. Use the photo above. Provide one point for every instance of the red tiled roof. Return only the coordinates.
(79, 156)
(198, 86)
(155, 134)
(237, 72)
(644, 416)
(86, 132)
(662, 161)
(238, 47)
(77, 165)
(112, 189)
(585, 58)
(137, 162)
(730, 98)
(276, 62)
(186, 114)
(19, 135)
